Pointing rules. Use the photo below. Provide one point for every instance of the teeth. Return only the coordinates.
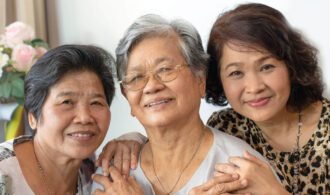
(81, 134)
(157, 103)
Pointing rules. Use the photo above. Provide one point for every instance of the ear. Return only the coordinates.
(123, 91)
(202, 85)
(32, 121)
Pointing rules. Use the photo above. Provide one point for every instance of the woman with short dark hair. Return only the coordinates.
(68, 94)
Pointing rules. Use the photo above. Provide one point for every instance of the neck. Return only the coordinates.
(181, 151)
(179, 139)
(283, 124)
(61, 175)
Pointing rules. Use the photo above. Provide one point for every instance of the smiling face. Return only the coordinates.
(255, 83)
(74, 118)
(159, 103)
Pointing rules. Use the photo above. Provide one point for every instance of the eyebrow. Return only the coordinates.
(259, 61)
(94, 95)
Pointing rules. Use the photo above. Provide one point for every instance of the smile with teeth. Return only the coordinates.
(158, 103)
(81, 134)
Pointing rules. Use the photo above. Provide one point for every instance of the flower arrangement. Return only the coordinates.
(19, 50)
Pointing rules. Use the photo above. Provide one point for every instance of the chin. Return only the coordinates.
(82, 154)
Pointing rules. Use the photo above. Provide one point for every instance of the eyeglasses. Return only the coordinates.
(137, 81)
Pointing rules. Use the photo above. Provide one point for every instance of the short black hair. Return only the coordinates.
(56, 63)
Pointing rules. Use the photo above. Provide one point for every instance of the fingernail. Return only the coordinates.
(133, 166)
(235, 176)
(244, 182)
(105, 174)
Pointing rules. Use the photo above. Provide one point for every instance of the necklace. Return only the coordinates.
(296, 155)
(182, 171)
(44, 178)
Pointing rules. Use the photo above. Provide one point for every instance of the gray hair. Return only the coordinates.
(152, 25)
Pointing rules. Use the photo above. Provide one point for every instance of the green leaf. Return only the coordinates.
(12, 85)
(17, 87)
(39, 43)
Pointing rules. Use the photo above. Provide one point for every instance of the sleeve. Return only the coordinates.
(135, 136)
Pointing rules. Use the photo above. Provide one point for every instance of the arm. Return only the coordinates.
(124, 151)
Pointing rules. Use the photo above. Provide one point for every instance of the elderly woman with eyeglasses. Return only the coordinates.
(161, 66)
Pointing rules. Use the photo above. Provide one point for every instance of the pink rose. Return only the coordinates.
(24, 57)
(16, 33)
(40, 51)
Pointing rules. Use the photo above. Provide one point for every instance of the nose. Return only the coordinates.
(84, 115)
(153, 84)
(254, 84)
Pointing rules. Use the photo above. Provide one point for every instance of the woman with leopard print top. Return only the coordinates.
(269, 75)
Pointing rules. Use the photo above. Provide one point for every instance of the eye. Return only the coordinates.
(133, 78)
(165, 69)
(236, 74)
(96, 103)
(67, 102)
(267, 67)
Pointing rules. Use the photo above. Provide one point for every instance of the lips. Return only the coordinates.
(82, 135)
(258, 102)
(157, 102)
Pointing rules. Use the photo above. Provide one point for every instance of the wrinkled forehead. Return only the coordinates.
(155, 51)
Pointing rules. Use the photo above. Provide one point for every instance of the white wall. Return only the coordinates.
(103, 22)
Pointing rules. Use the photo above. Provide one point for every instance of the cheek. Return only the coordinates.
(133, 100)
(230, 88)
(103, 118)
(281, 83)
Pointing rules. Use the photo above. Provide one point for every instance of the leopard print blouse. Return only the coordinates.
(314, 175)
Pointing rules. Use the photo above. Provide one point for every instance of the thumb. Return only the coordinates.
(253, 158)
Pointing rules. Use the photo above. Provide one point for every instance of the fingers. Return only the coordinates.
(126, 160)
(220, 185)
(253, 158)
(135, 151)
(216, 180)
(241, 162)
(106, 155)
(115, 174)
(226, 168)
(228, 187)
(104, 181)
(98, 192)
(131, 180)
(118, 157)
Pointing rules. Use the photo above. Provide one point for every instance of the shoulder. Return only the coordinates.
(6, 150)
(226, 117)
(232, 145)
(325, 113)
(231, 122)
